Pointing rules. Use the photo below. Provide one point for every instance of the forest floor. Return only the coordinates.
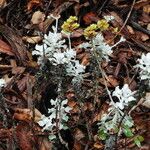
(31, 88)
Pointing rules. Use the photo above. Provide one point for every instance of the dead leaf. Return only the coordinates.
(3, 3)
(131, 82)
(146, 100)
(44, 144)
(22, 83)
(32, 40)
(33, 3)
(77, 33)
(37, 17)
(117, 19)
(24, 137)
(27, 114)
(77, 145)
(78, 134)
(74, 106)
(144, 37)
(98, 115)
(146, 9)
(141, 3)
(18, 48)
(90, 17)
(5, 48)
(130, 29)
(86, 60)
(141, 36)
(111, 81)
(98, 145)
(18, 70)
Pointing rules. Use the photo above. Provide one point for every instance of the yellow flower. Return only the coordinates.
(70, 24)
(72, 19)
(102, 24)
(90, 31)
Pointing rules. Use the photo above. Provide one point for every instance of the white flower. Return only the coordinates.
(124, 95)
(85, 45)
(58, 111)
(105, 50)
(39, 50)
(77, 79)
(58, 58)
(46, 123)
(74, 68)
(144, 65)
(109, 18)
(2, 83)
(98, 40)
(54, 40)
(70, 53)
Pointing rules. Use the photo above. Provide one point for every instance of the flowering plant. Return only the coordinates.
(110, 122)
(57, 115)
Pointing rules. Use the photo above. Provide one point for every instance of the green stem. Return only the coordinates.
(102, 72)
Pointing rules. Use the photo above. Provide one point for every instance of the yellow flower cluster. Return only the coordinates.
(70, 24)
(90, 31)
(103, 24)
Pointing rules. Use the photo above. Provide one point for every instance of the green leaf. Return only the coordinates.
(128, 132)
(138, 139)
(102, 135)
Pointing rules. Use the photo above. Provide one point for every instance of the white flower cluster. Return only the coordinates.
(55, 50)
(144, 65)
(124, 95)
(101, 46)
(109, 18)
(115, 112)
(58, 114)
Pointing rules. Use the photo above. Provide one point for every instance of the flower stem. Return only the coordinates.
(102, 72)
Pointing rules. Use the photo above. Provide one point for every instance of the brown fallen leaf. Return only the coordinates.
(77, 145)
(33, 3)
(98, 145)
(86, 60)
(18, 48)
(141, 3)
(3, 3)
(111, 81)
(24, 137)
(5, 48)
(32, 40)
(130, 29)
(27, 114)
(146, 100)
(37, 17)
(146, 9)
(142, 36)
(18, 70)
(44, 144)
(78, 134)
(90, 17)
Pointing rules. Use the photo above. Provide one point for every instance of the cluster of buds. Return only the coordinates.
(70, 24)
(90, 31)
(102, 25)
